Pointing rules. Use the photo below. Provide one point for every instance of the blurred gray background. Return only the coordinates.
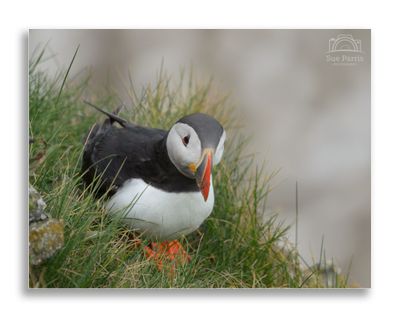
(309, 118)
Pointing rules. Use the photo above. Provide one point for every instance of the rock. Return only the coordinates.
(46, 235)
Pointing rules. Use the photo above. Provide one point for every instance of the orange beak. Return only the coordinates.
(203, 174)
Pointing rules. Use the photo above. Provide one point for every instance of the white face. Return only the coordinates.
(184, 148)
(220, 149)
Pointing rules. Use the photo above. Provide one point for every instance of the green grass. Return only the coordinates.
(233, 248)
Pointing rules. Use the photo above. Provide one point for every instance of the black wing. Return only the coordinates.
(113, 155)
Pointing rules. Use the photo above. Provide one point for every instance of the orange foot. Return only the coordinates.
(167, 252)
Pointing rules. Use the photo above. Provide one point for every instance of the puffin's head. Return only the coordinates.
(195, 144)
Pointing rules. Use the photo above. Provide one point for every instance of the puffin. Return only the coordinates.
(158, 182)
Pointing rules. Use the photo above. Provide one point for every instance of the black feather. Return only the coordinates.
(115, 155)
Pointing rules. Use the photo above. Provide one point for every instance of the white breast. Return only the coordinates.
(159, 214)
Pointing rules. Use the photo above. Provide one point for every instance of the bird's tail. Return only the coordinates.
(113, 116)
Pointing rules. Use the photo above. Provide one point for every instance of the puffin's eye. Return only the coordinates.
(185, 140)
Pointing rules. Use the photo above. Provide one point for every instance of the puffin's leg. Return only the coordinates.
(167, 252)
